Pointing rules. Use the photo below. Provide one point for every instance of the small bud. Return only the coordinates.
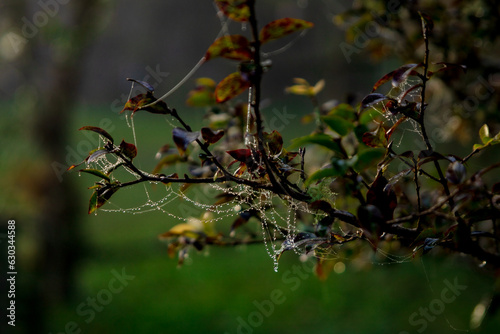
(456, 172)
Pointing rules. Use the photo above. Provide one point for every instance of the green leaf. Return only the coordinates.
(368, 158)
(338, 124)
(236, 10)
(344, 110)
(484, 134)
(318, 139)
(100, 131)
(234, 47)
(97, 173)
(231, 86)
(282, 27)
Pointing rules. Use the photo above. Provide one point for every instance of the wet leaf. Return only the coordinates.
(236, 10)
(210, 136)
(141, 100)
(97, 173)
(231, 86)
(282, 27)
(100, 131)
(183, 138)
(204, 93)
(234, 47)
(129, 150)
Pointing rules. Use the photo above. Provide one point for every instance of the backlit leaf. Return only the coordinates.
(397, 76)
(236, 10)
(282, 27)
(230, 86)
(484, 134)
(234, 47)
(100, 131)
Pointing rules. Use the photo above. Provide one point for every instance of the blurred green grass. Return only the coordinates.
(209, 293)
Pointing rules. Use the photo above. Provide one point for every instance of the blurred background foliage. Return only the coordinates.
(64, 65)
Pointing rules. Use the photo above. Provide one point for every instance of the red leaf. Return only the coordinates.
(242, 155)
(99, 131)
(211, 137)
(230, 86)
(129, 150)
(234, 47)
(397, 76)
(282, 27)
